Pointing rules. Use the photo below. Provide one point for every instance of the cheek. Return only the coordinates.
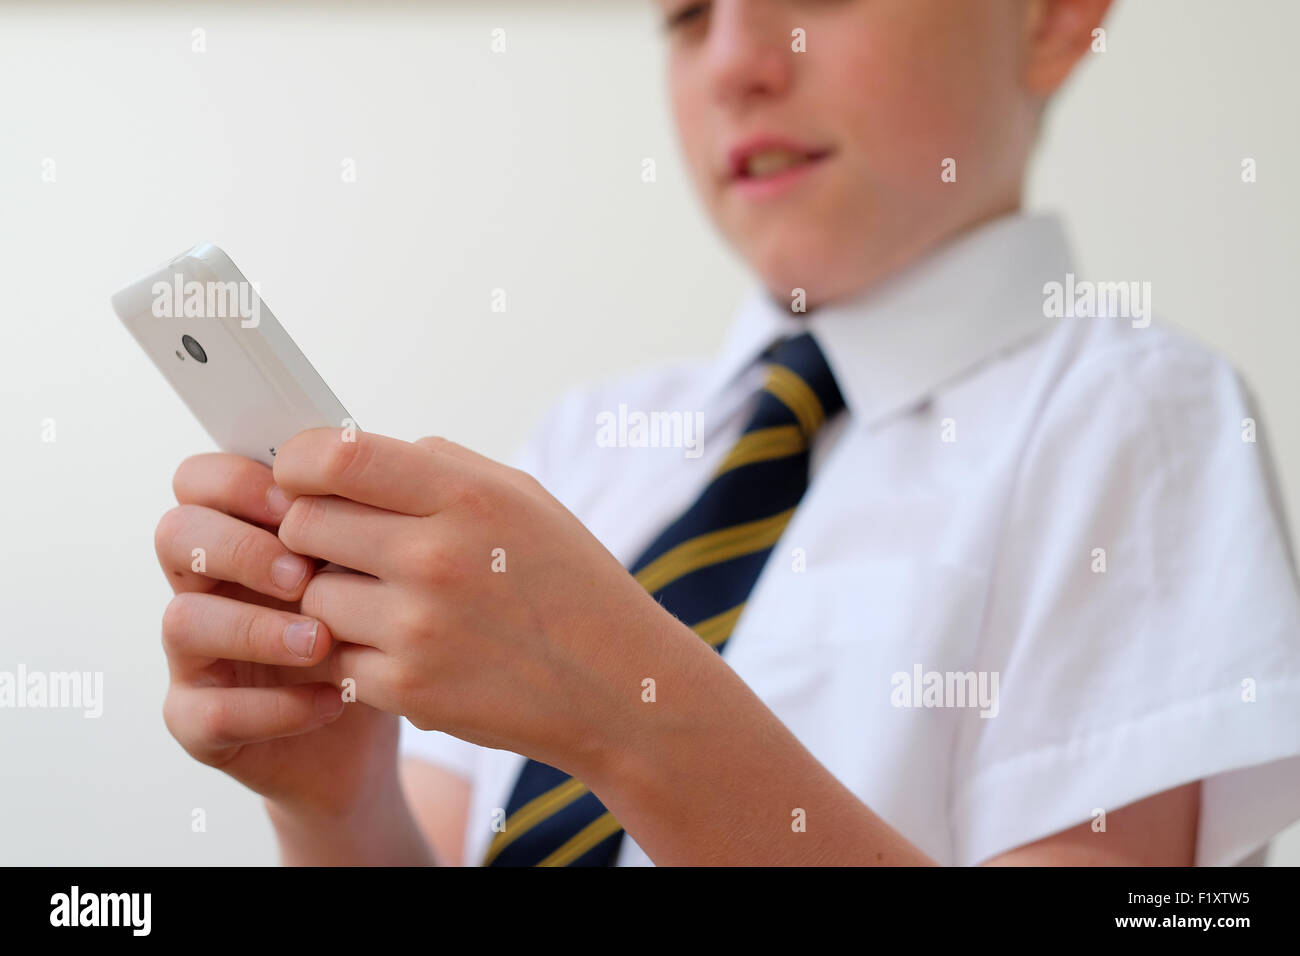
(692, 120)
(902, 114)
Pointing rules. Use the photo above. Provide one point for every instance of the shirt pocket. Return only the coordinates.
(849, 630)
(882, 606)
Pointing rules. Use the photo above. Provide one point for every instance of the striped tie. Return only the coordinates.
(702, 569)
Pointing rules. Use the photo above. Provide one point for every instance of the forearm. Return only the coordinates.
(383, 833)
(716, 779)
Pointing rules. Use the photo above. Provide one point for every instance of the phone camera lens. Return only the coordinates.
(193, 347)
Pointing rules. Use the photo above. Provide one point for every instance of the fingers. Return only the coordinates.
(211, 722)
(375, 470)
(370, 673)
(201, 628)
(232, 484)
(348, 602)
(198, 546)
(449, 449)
(346, 533)
(368, 645)
(446, 447)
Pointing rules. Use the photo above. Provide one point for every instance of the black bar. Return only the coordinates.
(353, 906)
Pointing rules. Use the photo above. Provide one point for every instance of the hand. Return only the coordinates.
(491, 613)
(248, 695)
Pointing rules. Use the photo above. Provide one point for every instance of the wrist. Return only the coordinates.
(683, 691)
(379, 830)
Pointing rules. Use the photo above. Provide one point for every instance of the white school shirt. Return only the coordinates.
(1073, 507)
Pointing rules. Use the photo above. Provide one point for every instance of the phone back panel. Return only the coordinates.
(256, 389)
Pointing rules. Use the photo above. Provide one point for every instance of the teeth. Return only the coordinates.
(768, 162)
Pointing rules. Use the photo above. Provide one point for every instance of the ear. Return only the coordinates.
(1059, 32)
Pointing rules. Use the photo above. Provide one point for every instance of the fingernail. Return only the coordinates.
(288, 570)
(329, 703)
(300, 637)
(277, 502)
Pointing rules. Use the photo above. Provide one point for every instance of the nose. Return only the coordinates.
(749, 55)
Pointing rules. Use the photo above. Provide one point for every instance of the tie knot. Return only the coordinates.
(800, 378)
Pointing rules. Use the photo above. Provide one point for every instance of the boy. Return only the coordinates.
(989, 587)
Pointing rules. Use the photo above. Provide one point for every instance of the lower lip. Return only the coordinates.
(778, 184)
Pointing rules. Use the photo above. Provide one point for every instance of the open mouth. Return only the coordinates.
(768, 166)
(772, 161)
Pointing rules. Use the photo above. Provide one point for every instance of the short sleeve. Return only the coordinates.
(1143, 617)
(441, 750)
(444, 750)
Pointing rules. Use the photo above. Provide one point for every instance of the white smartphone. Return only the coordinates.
(207, 329)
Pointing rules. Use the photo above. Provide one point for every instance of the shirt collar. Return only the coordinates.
(890, 348)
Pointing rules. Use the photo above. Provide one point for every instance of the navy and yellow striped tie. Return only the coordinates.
(702, 569)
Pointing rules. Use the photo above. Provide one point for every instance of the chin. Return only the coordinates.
(819, 268)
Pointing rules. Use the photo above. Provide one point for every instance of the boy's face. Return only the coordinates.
(823, 168)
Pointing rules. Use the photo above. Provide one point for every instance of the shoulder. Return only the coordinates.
(1144, 441)
(1157, 361)
(1156, 392)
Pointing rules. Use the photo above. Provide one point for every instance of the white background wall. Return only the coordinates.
(475, 171)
